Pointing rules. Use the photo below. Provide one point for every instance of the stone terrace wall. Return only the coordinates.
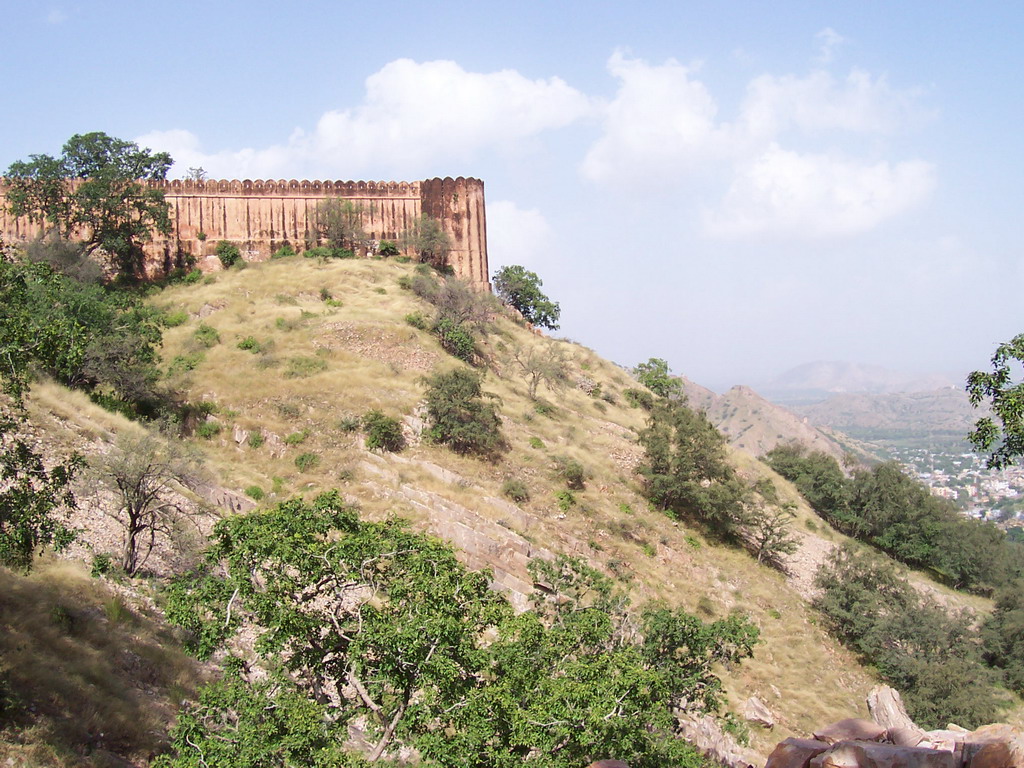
(261, 216)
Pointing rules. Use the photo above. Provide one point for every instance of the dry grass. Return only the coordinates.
(373, 359)
(92, 678)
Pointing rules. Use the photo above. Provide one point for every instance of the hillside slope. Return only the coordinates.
(329, 343)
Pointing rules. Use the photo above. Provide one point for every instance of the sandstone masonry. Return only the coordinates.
(262, 216)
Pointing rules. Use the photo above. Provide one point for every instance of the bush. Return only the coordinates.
(571, 471)
(101, 565)
(300, 367)
(388, 248)
(297, 438)
(460, 417)
(516, 490)
(228, 254)
(250, 344)
(455, 339)
(307, 461)
(326, 252)
(256, 439)
(536, 442)
(283, 252)
(193, 277)
(383, 432)
(566, 500)
(417, 320)
(639, 398)
(255, 493)
(208, 430)
(349, 423)
(206, 335)
(174, 319)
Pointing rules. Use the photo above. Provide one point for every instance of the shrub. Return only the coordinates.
(228, 254)
(460, 417)
(571, 471)
(255, 493)
(206, 335)
(349, 423)
(102, 562)
(536, 442)
(174, 319)
(256, 439)
(417, 320)
(301, 366)
(388, 248)
(455, 339)
(326, 252)
(201, 236)
(250, 344)
(283, 252)
(208, 430)
(307, 461)
(405, 283)
(193, 277)
(297, 438)
(516, 490)
(383, 432)
(639, 398)
(566, 500)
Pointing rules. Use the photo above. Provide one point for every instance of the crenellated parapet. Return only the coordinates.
(262, 215)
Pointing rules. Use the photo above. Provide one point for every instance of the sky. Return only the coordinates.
(735, 187)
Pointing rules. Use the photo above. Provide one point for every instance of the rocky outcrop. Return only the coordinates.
(892, 740)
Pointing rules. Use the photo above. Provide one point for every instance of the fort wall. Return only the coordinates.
(261, 216)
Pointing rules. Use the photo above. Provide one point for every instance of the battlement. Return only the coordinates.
(260, 216)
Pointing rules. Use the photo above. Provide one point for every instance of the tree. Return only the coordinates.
(520, 289)
(97, 187)
(144, 475)
(1003, 441)
(340, 223)
(546, 364)
(655, 375)
(686, 472)
(427, 238)
(459, 416)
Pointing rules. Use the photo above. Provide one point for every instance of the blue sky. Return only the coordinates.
(736, 187)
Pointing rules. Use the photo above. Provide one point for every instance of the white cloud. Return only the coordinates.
(818, 102)
(413, 116)
(810, 195)
(661, 121)
(829, 42)
(784, 161)
(517, 236)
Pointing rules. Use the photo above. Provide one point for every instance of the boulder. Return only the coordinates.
(994, 746)
(851, 729)
(755, 711)
(871, 754)
(886, 708)
(795, 753)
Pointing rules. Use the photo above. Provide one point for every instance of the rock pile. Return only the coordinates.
(892, 740)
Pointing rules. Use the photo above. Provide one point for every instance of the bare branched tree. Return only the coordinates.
(546, 364)
(146, 476)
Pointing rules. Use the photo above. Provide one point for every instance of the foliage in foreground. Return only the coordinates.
(932, 656)
(1002, 434)
(520, 288)
(390, 626)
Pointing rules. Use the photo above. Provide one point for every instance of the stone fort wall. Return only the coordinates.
(262, 216)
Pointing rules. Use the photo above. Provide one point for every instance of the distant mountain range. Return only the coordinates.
(818, 380)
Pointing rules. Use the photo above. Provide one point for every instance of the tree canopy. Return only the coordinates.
(1001, 435)
(657, 377)
(371, 623)
(520, 288)
(98, 188)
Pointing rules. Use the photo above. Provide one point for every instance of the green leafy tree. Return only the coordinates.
(932, 656)
(428, 240)
(98, 188)
(520, 289)
(1003, 635)
(686, 472)
(460, 415)
(1000, 435)
(656, 376)
(383, 432)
